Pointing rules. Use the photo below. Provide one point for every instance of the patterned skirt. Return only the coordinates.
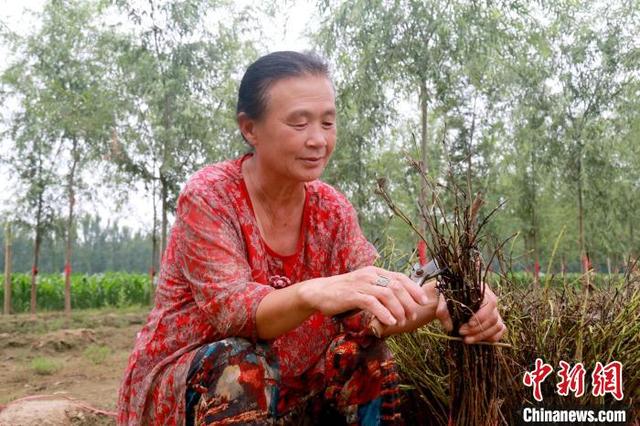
(233, 381)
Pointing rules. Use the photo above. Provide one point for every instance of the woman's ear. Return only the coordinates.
(247, 128)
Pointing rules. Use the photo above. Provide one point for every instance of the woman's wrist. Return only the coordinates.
(306, 294)
(294, 301)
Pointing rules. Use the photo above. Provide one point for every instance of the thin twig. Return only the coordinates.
(460, 339)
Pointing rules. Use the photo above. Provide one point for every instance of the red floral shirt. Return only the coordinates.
(216, 270)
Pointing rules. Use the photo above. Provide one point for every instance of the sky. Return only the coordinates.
(286, 33)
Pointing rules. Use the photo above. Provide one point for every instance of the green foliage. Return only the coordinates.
(97, 354)
(537, 101)
(44, 366)
(112, 289)
(100, 247)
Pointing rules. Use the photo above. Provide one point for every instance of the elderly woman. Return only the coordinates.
(262, 258)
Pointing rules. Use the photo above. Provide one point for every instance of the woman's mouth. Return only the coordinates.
(312, 161)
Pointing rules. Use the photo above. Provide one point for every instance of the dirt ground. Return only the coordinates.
(82, 358)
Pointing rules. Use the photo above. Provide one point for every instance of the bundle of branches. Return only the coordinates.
(454, 239)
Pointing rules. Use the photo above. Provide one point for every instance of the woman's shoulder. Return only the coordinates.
(327, 197)
(212, 179)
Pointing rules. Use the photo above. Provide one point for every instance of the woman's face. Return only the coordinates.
(297, 132)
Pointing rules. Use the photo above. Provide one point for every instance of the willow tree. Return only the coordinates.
(441, 59)
(32, 161)
(32, 158)
(178, 63)
(595, 50)
(73, 112)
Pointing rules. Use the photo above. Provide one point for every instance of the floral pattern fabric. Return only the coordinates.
(235, 382)
(216, 270)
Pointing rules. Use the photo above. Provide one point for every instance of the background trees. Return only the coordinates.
(537, 103)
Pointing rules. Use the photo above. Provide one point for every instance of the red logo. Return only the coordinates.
(604, 379)
(607, 379)
(536, 377)
(571, 379)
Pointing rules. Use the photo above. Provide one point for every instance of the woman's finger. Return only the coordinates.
(407, 299)
(442, 313)
(414, 290)
(484, 317)
(486, 335)
(387, 296)
(500, 334)
(370, 303)
(480, 322)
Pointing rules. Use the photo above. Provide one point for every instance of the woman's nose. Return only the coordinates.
(317, 137)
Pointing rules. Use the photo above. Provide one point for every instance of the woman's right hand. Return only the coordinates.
(397, 303)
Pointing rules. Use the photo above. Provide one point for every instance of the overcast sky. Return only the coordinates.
(287, 33)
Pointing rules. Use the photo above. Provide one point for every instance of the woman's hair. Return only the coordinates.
(263, 73)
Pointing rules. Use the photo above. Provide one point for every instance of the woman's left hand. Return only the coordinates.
(485, 325)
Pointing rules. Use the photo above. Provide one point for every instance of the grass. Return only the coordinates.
(541, 324)
(44, 366)
(46, 322)
(96, 354)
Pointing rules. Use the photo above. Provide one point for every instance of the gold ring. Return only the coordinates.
(382, 281)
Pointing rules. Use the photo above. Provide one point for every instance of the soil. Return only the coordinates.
(80, 361)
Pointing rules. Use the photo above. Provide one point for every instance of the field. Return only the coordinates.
(83, 358)
(47, 355)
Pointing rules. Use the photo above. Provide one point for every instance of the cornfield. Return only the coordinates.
(112, 289)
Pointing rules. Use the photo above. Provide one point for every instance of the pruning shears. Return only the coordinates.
(420, 274)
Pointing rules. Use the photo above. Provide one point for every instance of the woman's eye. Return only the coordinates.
(328, 124)
(299, 126)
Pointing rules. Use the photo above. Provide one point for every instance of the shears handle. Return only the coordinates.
(420, 274)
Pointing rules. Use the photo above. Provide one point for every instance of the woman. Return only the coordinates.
(261, 259)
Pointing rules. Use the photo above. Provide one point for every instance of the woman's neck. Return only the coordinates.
(271, 190)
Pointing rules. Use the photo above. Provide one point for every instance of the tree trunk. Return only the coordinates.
(583, 250)
(7, 268)
(163, 235)
(534, 223)
(631, 237)
(69, 233)
(154, 246)
(424, 144)
(36, 254)
(536, 257)
(470, 147)
(360, 199)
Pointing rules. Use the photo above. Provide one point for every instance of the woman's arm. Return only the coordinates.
(402, 308)
(283, 310)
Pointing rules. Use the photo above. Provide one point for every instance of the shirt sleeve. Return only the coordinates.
(211, 256)
(354, 251)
